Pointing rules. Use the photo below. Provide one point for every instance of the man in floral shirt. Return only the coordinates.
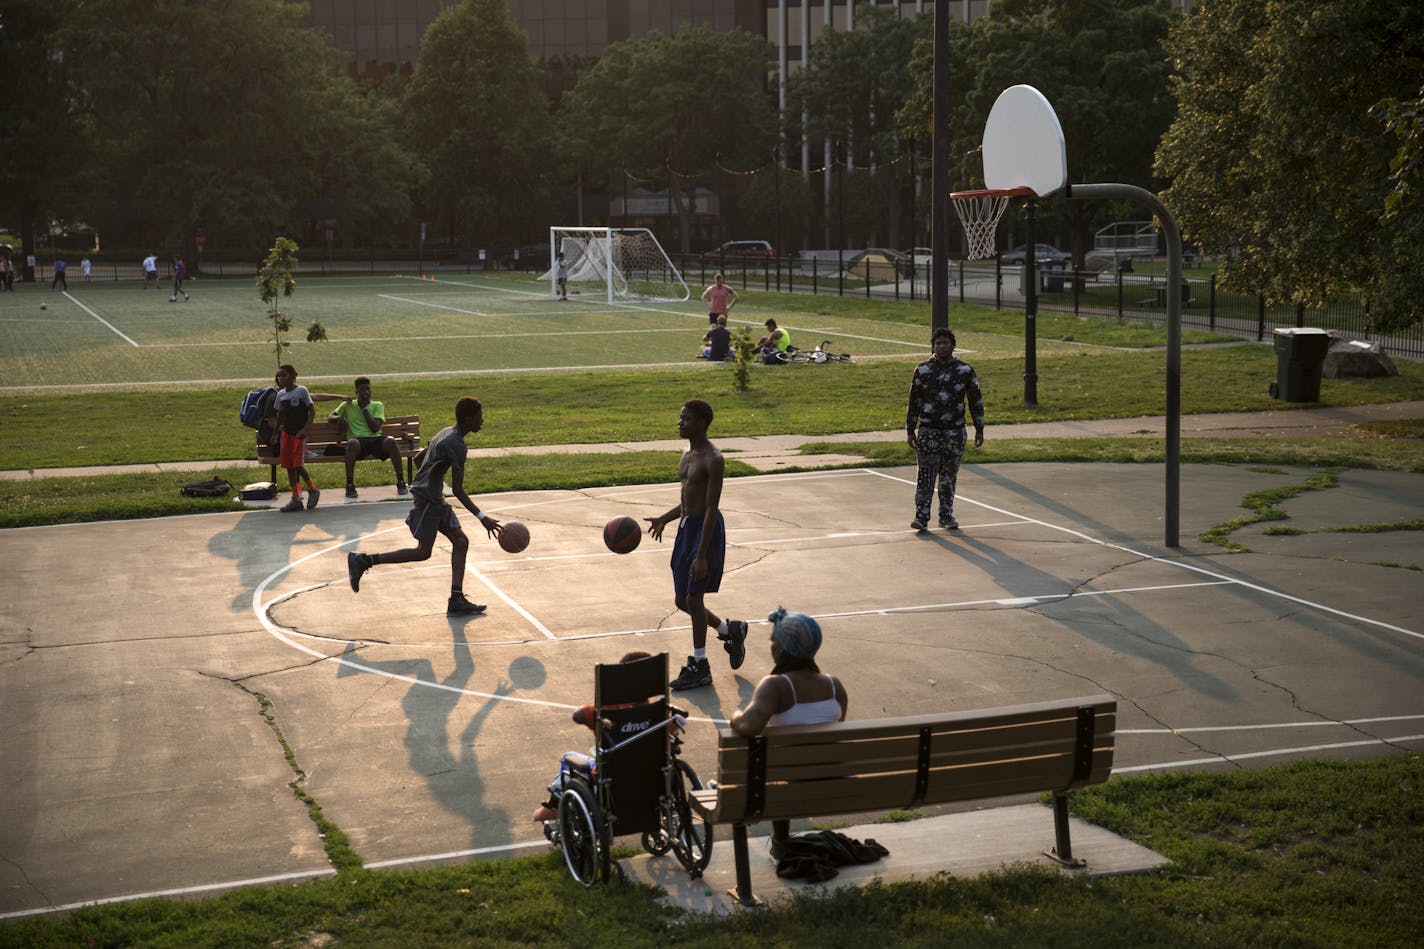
(934, 426)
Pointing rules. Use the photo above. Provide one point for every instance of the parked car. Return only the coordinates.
(741, 249)
(879, 263)
(1043, 253)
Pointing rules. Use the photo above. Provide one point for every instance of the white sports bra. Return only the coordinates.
(808, 713)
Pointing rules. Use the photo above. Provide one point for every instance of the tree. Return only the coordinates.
(479, 116)
(681, 106)
(1275, 149)
(851, 91)
(274, 279)
(1100, 62)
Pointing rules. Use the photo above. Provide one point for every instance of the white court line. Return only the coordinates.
(1233, 728)
(532, 844)
(96, 316)
(1175, 563)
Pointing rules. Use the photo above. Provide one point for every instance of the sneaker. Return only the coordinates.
(735, 641)
(949, 523)
(694, 675)
(313, 496)
(917, 524)
(459, 606)
(356, 565)
(172, 299)
(295, 504)
(185, 298)
(351, 490)
(402, 488)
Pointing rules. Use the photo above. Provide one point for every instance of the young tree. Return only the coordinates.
(274, 279)
(477, 113)
(682, 106)
(1275, 151)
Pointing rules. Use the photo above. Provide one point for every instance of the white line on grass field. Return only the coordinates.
(69, 296)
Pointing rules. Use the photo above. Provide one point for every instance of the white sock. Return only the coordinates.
(699, 654)
(722, 628)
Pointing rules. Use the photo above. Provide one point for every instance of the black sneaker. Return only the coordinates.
(949, 523)
(351, 490)
(356, 565)
(735, 642)
(295, 504)
(402, 488)
(313, 496)
(694, 675)
(917, 524)
(459, 606)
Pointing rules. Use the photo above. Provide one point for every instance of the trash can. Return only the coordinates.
(1052, 279)
(1300, 356)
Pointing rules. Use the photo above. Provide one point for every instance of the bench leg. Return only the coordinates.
(743, 892)
(1062, 851)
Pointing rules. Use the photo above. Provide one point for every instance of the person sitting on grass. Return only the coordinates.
(717, 344)
(360, 420)
(775, 343)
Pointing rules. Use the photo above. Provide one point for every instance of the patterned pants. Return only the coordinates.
(939, 451)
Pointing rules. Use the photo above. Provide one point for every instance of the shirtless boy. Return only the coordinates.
(700, 547)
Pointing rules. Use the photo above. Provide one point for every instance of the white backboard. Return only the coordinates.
(1023, 143)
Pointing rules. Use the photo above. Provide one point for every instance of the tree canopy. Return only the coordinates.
(477, 113)
(683, 106)
(1281, 148)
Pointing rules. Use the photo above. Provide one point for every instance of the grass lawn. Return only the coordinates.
(1312, 854)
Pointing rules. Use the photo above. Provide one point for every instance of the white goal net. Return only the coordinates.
(617, 263)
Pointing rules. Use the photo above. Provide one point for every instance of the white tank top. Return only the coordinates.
(808, 713)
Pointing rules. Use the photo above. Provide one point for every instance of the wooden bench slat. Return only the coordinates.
(324, 435)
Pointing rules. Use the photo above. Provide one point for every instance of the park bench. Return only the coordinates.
(325, 444)
(854, 767)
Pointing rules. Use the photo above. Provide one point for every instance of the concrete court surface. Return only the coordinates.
(149, 670)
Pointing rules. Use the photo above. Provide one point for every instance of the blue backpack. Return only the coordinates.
(255, 406)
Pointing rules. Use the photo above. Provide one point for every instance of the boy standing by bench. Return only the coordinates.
(432, 514)
(295, 412)
(361, 420)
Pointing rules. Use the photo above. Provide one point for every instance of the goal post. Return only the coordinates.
(619, 263)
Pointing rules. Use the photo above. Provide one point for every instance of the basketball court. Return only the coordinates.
(153, 670)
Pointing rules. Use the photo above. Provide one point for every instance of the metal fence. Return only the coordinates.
(1107, 295)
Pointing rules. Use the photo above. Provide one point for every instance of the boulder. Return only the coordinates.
(1348, 357)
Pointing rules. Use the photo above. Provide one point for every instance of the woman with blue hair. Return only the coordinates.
(796, 692)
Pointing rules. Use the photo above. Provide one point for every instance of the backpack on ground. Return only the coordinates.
(212, 488)
(255, 406)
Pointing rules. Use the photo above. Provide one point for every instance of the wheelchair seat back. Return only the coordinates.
(632, 698)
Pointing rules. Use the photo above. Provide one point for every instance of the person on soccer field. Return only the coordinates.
(361, 420)
(86, 268)
(776, 341)
(717, 344)
(561, 272)
(150, 271)
(719, 298)
(180, 273)
(431, 513)
(59, 269)
(295, 412)
(934, 426)
(700, 547)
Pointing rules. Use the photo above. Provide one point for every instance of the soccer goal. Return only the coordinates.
(621, 263)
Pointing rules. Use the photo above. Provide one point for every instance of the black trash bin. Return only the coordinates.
(1300, 357)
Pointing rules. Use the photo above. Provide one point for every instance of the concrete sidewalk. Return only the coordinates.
(774, 452)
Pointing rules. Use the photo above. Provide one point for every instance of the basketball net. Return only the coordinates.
(979, 213)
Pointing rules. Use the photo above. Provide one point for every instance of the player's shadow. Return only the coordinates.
(262, 542)
(429, 705)
(1378, 644)
(1106, 619)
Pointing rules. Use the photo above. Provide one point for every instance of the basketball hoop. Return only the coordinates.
(979, 212)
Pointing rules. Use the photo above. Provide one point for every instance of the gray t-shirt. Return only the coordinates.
(446, 450)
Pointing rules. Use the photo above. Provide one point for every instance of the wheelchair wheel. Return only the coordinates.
(657, 843)
(690, 834)
(582, 835)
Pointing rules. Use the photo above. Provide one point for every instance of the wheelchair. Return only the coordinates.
(638, 785)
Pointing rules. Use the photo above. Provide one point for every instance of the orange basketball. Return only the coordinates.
(622, 534)
(513, 536)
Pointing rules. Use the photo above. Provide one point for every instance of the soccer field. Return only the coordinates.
(118, 334)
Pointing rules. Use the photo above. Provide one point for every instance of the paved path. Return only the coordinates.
(773, 452)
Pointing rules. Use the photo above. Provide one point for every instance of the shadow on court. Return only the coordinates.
(139, 661)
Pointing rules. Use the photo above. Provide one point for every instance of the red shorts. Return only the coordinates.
(293, 452)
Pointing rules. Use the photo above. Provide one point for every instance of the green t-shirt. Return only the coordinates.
(356, 426)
